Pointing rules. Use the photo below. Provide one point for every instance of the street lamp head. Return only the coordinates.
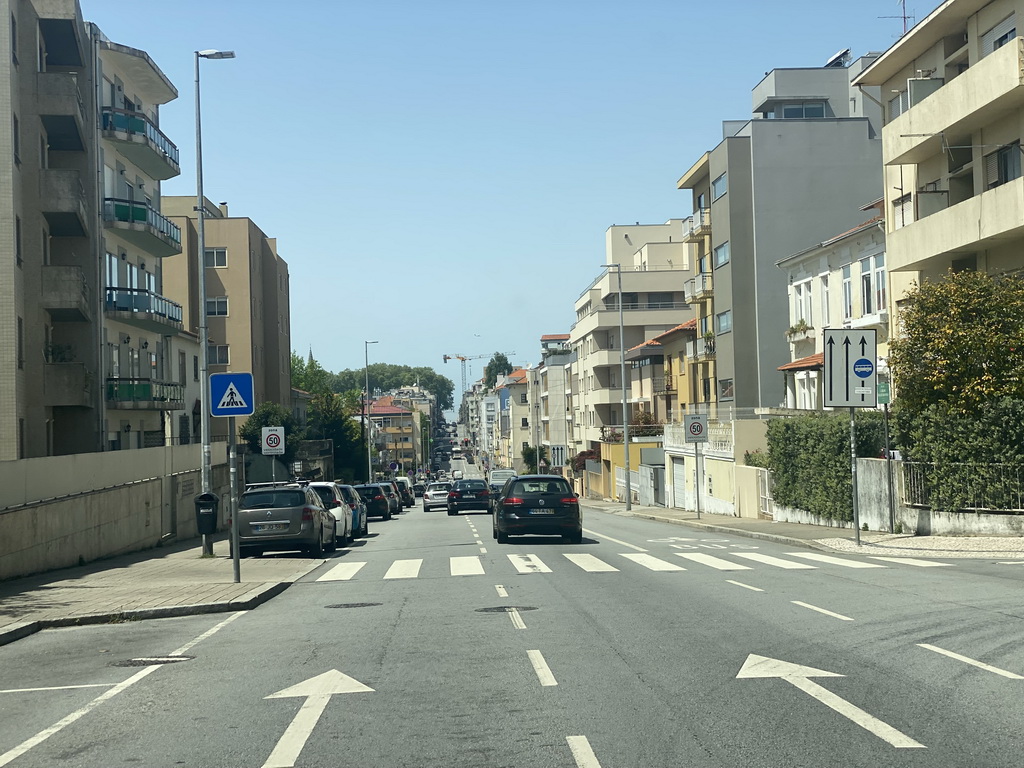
(213, 53)
(370, 342)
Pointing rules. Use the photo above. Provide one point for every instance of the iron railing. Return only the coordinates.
(142, 300)
(951, 487)
(140, 212)
(138, 124)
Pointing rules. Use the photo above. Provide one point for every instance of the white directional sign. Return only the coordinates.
(851, 370)
(696, 427)
(273, 441)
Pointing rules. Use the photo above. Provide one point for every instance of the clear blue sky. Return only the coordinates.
(439, 174)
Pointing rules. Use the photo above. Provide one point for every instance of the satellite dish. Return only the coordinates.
(839, 59)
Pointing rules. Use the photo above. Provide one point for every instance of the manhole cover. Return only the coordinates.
(149, 661)
(506, 609)
(353, 605)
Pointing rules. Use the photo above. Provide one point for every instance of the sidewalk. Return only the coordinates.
(827, 538)
(172, 581)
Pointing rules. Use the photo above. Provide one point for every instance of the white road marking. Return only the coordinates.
(912, 561)
(1011, 562)
(745, 586)
(528, 564)
(215, 628)
(502, 592)
(541, 668)
(834, 560)
(404, 569)
(617, 541)
(58, 688)
(652, 562)
(466, 566)
(517, 620)
(590, 563)
(714, 562)
(483, 551)
(342, 572)
(821, 610)
(778, 562)
(582, 752)
(965, 660)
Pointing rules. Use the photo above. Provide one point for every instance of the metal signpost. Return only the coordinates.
(883, 400)
(231, 394)
(851, 375)
(696, 427)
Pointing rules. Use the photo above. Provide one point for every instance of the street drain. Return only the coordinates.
(506, 609)
(149, 661)
(353, 605)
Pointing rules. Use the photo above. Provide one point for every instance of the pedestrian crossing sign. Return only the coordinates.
(231, 394)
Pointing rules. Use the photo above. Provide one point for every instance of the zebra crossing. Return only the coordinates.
(473, 565)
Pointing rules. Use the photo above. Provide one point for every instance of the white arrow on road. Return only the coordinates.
(317, 691)
(797, 675)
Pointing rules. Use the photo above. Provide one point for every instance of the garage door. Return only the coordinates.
(678, 483)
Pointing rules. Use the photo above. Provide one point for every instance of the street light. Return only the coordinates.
(622, 361)
(366, 431)
(204, 340)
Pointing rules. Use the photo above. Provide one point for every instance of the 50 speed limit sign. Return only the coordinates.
(696, 426)
(273, 441)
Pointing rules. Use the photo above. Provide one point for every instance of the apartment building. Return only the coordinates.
(247, 295)
(554, 395)
(398, 428)
(513, 392)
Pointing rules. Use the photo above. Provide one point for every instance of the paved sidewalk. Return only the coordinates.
(172, 581)
(829, 538)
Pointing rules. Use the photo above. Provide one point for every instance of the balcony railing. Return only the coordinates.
(697, 225)
(699, 287)
(138, 124)
(140, 213)
(613, 433)
(142, 301)
(664, 385)
(143, 391)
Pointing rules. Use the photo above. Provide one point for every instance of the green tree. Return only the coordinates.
(529, 455)
(498, 366)
(385, 376)
(309, 376)
(271, 415)
(330, 419)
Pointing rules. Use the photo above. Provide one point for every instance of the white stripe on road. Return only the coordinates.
(517, 620)
(590, 563)
(778, 562)
(58, 688)
(834, 560)
(466, 566)
(821, 610)
(342, 572)
(582, 752)
(528, 564)
(404, 569)
(912, 561)
(617, 541)
(502, 592)
(653, 563)
(215, 628)
(966, 660)
(714, 562)
(541, 668)
(745, 586)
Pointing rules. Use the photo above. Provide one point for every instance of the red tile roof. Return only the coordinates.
(555, 337)
(388, 410)
(809, 363)
(689, 325)
(648, 343)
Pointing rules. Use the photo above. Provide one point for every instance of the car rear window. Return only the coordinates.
(326, 494)
(540, 487)
(367, 491)
(471, 484)
(438, 487)
(273, 499)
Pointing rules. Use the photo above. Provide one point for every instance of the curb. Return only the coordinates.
(788, 540)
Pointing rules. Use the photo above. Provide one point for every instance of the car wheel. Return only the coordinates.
(501, 536)
(317, 550)
(452, 512)
(387, 515)
(574, 538)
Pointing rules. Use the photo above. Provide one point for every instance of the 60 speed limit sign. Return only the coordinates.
(696, 426)
(273, 441)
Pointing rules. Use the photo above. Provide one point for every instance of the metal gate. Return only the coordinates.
(659, 486)
(678, 483)
(765, 509)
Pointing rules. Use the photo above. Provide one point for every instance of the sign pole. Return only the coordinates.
(853, 474)
(233, 508)
(888, 470)
(696, 447)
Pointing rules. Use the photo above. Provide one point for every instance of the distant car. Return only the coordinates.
(543, 504)
(468, 495)
(405, 490)
(496, 479)
(358, 507)
(419, 489)
(436, 495)
(376, 500)
(394, 495)
(456, 474)
(285, 517)
(334, 501)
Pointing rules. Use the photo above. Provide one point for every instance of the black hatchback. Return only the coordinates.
(544, 504)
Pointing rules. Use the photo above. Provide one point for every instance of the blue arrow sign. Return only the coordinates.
(231, 394)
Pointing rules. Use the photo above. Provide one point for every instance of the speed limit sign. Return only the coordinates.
(696, 426)
(273, 441)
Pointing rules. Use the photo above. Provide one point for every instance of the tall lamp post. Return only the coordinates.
(622, 373)
(204, 339)
(366, 430)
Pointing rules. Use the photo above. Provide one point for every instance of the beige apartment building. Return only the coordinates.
(247, 296)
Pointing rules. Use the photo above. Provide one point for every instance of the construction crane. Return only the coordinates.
(463, 359)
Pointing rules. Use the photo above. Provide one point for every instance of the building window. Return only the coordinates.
(824, 301)
(17, 140)
(21, 343)
(723, 321)
(802, 303)
(525, 423)
(847, 294)
(706, 387)
(802, 110)
(725, 390)
(1003, 165)
(195, 367)
(14, 39)
(881, 303)
(217, 306)
(722, 255)
(999, 35)
(17, 241)
(522, 398)
(867, 295)
(719, 187)
(216, 257)
(899, 104)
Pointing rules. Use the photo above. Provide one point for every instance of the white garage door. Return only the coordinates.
(678, 483)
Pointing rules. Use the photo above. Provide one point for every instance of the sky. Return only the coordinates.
(439, 174)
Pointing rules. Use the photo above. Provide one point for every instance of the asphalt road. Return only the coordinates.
(647, 645)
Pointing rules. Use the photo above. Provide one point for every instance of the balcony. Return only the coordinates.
(697, 226)
(878, 320)
(66, 384)
(701, 349)
(139, 140)
(664, 385)
(700, 288)
(639, 314)
(145, 395)
(62, 199)
(61, 110)
(65, 294)
(143, 226)
(143, 309)
(60, 26)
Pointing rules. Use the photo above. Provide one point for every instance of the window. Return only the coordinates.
(880, 298)
(899, 104)
(867, 295)
(722, 255)
(522, 398)
(217, 306)
(903, 211)
(705, 325)
(723, 321)
(525, 446)
(216, 257)
(802, 303)
(847, 294)
(660, 300)
(1003, 165)
(17, 140)
(802, 110)
(18, 258)
(525, 423)
(719, 187)
(999, 35)
(725, 390)
(14, 39)
(21, 343)
(824, 301)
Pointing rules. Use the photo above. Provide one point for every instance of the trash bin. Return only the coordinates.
(206, 513)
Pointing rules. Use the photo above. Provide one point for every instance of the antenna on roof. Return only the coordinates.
(903, 15)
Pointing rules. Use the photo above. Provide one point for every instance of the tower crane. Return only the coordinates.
(463, 359)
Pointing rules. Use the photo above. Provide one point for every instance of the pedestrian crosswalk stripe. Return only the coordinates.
(834, 560)
(912, 561)
(590, 563)
(715, 562)
(404, 569)
(342, 572)
(778, 562)
(528, 564)
(653, 563)
(466, 566)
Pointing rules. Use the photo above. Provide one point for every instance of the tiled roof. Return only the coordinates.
(809, 363)
(689, 325)
(518, 375)
(555, 337)
(648, 343)
(388, 410)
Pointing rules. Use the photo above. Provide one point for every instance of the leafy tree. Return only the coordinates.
(329, 419)
(579, 461)
(387, 376)
(271, 415)
(309, 376)
(498, 366)
(529, 455)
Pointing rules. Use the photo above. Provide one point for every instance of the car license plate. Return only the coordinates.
(269, 527)
(542, 511)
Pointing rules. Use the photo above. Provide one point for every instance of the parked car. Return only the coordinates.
(358, 507)
(335, 503)
(542, 504)
(419, 489)
(405, 491)
(285, 517)
(468, 494)
(436, 495)
(376, 499)
(496, 481)
(394, 496)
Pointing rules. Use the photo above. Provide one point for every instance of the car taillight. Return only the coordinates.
(335, 503)
(512, 501)
(569, 500)
(485, 492)
(352, 504)
(307, 514)
(378, 498)
(454, 495)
